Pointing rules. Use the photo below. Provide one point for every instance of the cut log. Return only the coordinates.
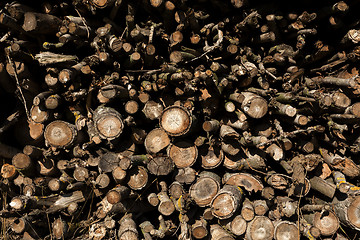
(253, 105)
(175, 121)
(218, 233)
(247, 181)
(160, 166)
(138, 178)
(260, 228)
(60, 134)
(108, 123)
(205, 188)
(40, 23)
(226, 202)
(127, 229)
(347, 210)
(183, 153)
(285, 230)
(199, 229)
(211, 157)
(156, 140)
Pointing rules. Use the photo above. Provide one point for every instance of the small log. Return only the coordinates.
(146, 227)
(19, 225)
(138, 178)
(156, 140)
(199, 229)
(183, 153)
(118, 194)
(160, 166)
(342, 185)
(253, 105)
(247, 210)
(166, 206)
(108, 162)
(346, 209)
(152, 110)
(323, 186)
(102, 181)
(8, 171)
(60, 134)
(326, 221)
(39, 114)
(211, 126)
(236, 225)
(127, 229)
(186, 175)
(131, 107)
(60, 229)
(226, 202)
(275, 152)
(284, 109)
(218, 233)
(286, 206)
(108, 123)
(153, 199)
(118, 175)
(285, 230)
(32, 151)
(111, 92)
(176, 190)
(53, 101)
(23, 163)
(260, 227)
(211, 157)
(268, 193)
(260, 207)
(244, 180)
(56, 185)
(205, 188)
(175, 121)
(81, 174)
(278, 181)
(40, 23)
(228, 132)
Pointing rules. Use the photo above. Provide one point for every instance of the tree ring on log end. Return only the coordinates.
(353, 212)
(160, 166)
(100, 3)
(183, 153)
(204, 190)
(226, 202)
(175, 121)
(156, 140)
(327, 222)
(138, 178)
(260, 228)
(109, 126)
(59, 133)
(108, 123)
(286, 230)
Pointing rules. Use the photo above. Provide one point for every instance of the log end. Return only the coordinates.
(59, 134)
(175, 121)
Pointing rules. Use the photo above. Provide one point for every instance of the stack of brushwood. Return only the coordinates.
(180, 119)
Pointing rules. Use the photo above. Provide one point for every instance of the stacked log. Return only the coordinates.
(177, 119)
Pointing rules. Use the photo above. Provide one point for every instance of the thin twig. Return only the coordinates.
(19, 87)
(288, 134)
(209, 49)
(84, 22)
(123, 33)
(298, 207)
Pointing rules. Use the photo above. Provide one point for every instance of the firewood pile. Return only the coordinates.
(203, 119)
